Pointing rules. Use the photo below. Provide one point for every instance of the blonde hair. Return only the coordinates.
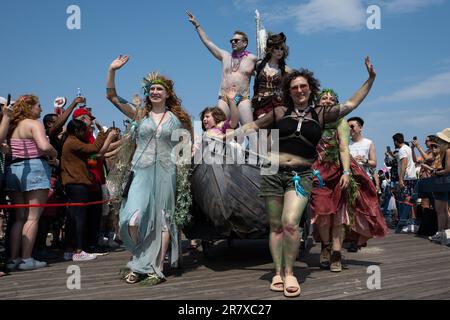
(443, 146)
(22, 111)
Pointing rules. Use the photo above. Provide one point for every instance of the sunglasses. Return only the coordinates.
(235, 40)
(434, 146)
(352, 126)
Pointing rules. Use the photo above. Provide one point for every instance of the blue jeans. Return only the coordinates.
(405, 210)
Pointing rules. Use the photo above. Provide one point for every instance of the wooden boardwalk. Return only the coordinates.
(411, 268)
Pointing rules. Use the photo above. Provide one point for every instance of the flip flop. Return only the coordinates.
(291, 282)
(275, 285)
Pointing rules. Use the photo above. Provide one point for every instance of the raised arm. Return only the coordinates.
(56, 129)
(111, 94)
(362, 92)
(111, 135)
(220, 54)
(425, 156)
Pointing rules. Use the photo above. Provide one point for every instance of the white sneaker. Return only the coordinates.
(445, 238)
(31, 264)
(12, 264)
(83, 256)
(436, 238)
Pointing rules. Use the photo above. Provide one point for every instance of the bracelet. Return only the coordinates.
(197, 26)
(346, 172)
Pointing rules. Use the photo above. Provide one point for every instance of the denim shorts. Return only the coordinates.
(28, 175)
(280, 183)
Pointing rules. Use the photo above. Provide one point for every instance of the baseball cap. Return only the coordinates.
(81, 112)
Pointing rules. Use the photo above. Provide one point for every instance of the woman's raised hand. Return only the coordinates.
(370, 68)
(119, 62)
(192, 18)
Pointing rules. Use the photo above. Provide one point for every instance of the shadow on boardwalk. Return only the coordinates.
(410, 268)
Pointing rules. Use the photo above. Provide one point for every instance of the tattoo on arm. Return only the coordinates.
(122, 100)
(111, 91)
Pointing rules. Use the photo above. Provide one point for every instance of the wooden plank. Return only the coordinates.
(411, 268)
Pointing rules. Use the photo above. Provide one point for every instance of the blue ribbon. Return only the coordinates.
(316, 173)
(298, 186)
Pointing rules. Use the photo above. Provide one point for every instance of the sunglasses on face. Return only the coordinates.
(434, 146)
(352, 126)
(235, 40)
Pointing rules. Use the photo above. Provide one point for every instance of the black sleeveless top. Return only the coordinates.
(301, 143)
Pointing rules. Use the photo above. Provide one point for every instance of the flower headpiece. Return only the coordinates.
(330, 91)
(151, 79)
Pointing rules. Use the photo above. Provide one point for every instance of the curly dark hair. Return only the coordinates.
(216, 113)
(314, 86)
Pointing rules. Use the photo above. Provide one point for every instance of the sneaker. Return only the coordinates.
(68, 256)
(445, 238)
(31, 264)
(12, 264)
(436, 238)
(83, 256)
(405, 229)
(336, 262)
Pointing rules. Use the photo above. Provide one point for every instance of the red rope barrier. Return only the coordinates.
(49, 205)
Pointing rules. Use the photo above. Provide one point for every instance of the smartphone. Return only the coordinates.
(414, 138)
(8, 100)
(114, 124)
(388, 148)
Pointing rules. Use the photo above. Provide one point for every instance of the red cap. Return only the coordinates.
(81, 112)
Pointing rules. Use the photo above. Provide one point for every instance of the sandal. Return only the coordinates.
(152, 280)
(291, 282)
(277, 280)
(132, 278)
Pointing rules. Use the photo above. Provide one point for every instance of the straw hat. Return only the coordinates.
(444, 135)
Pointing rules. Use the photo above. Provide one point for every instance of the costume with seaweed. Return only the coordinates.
(152, 197)
(356, 208)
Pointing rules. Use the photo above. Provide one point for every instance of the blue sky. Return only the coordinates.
(411, 53)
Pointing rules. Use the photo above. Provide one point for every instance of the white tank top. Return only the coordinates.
(361, 148)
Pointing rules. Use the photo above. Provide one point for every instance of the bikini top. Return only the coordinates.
(299, 135)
